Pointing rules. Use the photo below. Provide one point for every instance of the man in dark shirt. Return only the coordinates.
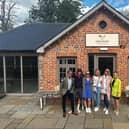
(78, 88)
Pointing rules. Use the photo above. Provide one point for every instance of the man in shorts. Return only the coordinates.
(78, 88)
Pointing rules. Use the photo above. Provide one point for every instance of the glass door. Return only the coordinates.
(102, 62)
(106, 62)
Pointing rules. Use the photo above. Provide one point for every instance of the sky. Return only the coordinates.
(115, 3)
(23, 6)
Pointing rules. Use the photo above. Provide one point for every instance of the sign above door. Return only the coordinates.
(102, 40)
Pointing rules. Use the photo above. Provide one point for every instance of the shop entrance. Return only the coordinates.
(101, 62)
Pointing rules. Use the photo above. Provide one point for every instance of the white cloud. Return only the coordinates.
(85, 9)
(21, 13)
(26, 3)
(22, 9)
(125, 8)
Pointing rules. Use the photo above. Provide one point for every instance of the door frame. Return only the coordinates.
(97, 56)
(105, 56)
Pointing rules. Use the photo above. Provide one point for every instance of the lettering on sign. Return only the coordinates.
(102, 40)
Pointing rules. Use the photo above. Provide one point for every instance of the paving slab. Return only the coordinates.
(5, 116)
(120, 126)
(6, 108)
(25, 122)
(108, 124)
(89, 115)
(4, 123)
(122, 118)
(42, 123)
(98, 115)
(94, 124)
(75, 122)
(20, 115)
(61, 123)
(13, 124)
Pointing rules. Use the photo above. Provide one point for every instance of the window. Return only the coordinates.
(30, 74)
(13, 74)
(91, 64)
(66, 64)
(1, 75)
(102, 24)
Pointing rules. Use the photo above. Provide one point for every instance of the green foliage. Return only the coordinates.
(53, 11)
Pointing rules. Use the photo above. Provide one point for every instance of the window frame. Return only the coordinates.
(67, 66)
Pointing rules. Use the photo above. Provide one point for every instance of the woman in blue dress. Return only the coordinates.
(87, 92)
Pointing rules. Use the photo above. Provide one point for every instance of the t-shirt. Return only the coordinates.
(78, 82)
(97, 81)
(69, 83)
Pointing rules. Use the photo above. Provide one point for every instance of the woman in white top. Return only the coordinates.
(97, 82)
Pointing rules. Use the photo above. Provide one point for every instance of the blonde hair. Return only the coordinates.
(108, 71)
(96, 71)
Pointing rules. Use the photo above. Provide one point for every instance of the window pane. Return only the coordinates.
(30, 74)
(91, 64)
(66, 64)
(73, 70)
(13, 74)
(1, 75)
(63, 61)
(105, 63)
(71, 61)
(62, 73)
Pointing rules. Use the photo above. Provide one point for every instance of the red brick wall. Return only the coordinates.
(74, 44)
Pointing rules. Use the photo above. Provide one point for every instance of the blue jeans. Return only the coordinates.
(96, 96)
(106, 101)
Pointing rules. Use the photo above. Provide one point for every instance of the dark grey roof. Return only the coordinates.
(29, 36)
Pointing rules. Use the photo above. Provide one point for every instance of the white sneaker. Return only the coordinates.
(117, 113)
(70, 112)
(78, 110)
(104, 109)
(96, 109)
(86, 110)
(106, 112)
(89, 110)
(82, 107)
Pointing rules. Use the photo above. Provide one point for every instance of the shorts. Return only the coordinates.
(116, 97)
(78, 93)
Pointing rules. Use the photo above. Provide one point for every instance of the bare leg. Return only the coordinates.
(117, 105)
(84, 101)
(114, 105)
(79, 101)
(78, 105)
(89, 103)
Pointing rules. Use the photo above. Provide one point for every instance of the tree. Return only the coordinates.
(53, 11)
(68, 11)
(6, 14)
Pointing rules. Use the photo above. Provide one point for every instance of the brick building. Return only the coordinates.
(99, 39)
(42, 53)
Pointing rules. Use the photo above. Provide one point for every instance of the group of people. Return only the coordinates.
(90, 90)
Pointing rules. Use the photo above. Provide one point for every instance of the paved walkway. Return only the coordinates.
(24, 113)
